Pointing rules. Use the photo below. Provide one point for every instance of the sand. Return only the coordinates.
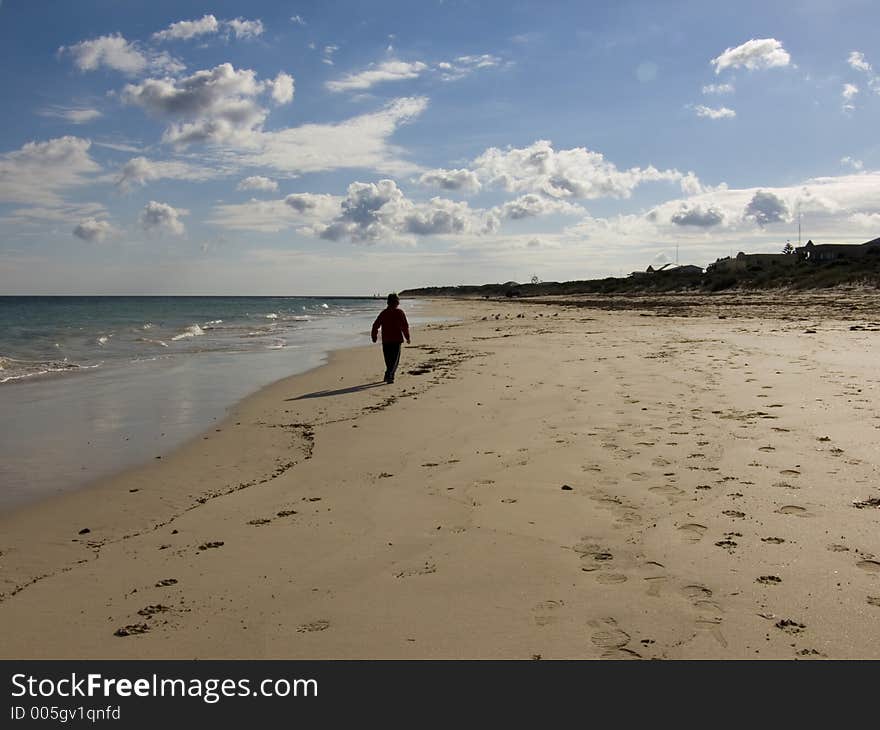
(542, 480)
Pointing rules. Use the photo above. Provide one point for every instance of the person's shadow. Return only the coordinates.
(338, 391)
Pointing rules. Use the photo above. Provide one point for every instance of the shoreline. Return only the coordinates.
(122, 415)
(550, 481)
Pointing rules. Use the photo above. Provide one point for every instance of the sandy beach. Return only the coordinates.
(625, 479)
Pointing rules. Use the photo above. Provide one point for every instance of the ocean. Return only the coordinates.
(90, 385)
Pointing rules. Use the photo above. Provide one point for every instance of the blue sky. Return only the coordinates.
(344, 147)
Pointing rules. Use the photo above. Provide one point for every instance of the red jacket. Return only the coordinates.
(394, 326)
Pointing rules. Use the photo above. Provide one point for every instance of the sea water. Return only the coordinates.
(90, 385)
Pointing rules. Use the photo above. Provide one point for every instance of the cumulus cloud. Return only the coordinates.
(39, 171)
(392, 70)
(697, 216)
(242, 28)
(372, 212)
(858, 61)
(94, 230)
(281, 88)
(162, 218)
(184, 30)
(852, 162)
(532, 205)
(849, 91)
(258, 182)
(117, 53)
(297, 20)
(718, 89)
(461, 179)
(574, 173)
(766, 208)
(141, 170)
(216, 105)
(758, 53)
(710, 113)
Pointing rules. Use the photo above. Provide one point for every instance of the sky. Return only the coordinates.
(317, 148)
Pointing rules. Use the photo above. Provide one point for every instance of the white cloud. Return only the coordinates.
(852, 162)
(184, 30)
(328, 54)
(849, 91)
(39, 171)
(766, 208)
(380, 211)
(857, 61)
(718, 89)
(74, 115)
(94, 230)
(141, 170)
(866, 220)
(117, 53)
(162, 218)
(465, 65)
(245, 28)
(465, 180)
(698, 216)
(575, 173)
(216, 105)
(392, 70)
(281, 88)
(532, 205)
(297, 20)
(257, 182)
(758, 53)
(360, 142)
(710, 113)
(272, 216)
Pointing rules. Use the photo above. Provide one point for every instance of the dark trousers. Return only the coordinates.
(391, 351)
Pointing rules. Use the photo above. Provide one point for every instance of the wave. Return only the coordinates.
(161, 343)
(212, 325)
(271, 315)
(191, 331)
(11, 370)
(103, 340)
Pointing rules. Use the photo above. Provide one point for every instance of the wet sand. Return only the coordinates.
(618, 480)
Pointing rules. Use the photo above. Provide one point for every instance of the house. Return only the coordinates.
(837, 251)
(745, 261)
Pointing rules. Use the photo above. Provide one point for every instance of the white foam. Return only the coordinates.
(324, 306)
(271, 315)
(103, 340)
(161, 343)
(191, 331)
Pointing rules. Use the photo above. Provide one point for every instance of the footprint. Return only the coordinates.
(790, 472)
(734, 513)
(426, 569)
(873, 600)
(153, 610)
(259, 521)
(793, 509)
(773, 540)
(872, 566)
(790, 626)
(693, 532)
(319, 625)
(132, 630)
(611, 578)
(769, 580)
(166, 582)
(209, 545)
(696, 592)
(612, 639)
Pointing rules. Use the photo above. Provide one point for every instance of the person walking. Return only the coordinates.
(395, 329)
